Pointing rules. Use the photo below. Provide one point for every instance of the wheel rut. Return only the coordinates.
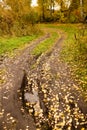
(45, 95)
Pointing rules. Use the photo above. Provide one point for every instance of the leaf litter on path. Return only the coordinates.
(48, 99)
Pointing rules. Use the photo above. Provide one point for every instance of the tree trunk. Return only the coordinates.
(81, 8)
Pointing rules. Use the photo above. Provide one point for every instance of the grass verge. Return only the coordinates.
(75, 52)
(8, 45)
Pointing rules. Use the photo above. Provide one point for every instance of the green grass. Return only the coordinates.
(46, 45)
(69, 49)
(8, 45)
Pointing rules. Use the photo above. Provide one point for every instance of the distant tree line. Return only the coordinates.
(18, 17)
(69, 10)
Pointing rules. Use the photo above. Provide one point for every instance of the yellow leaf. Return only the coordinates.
(82, 128)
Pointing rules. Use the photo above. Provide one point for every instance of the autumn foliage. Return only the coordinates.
(18, 18)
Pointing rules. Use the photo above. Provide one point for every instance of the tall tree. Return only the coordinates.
(42, 8)
(81, 8)
(46, 8)
(85, 7)
(19, 7)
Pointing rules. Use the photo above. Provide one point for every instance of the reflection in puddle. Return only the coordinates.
(34, 106)
(32, 98)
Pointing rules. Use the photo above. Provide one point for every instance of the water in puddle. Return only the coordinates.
(33, 100)
(32, 97)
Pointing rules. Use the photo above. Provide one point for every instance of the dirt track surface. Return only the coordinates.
(40, 93)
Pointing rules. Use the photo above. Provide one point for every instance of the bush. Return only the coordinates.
(22, 25)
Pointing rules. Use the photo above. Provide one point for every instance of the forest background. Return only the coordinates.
(18, 18)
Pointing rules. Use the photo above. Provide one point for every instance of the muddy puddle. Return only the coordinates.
(33, 104)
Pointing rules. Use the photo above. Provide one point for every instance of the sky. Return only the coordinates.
(34, 3)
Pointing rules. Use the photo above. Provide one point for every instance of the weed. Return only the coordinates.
(2, 78)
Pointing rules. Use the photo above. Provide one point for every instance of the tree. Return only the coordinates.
(17, 17)
(85, 8)
(19, 7)
(42, 7)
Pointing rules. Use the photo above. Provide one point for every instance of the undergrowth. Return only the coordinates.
(75, 51)
(81, 56)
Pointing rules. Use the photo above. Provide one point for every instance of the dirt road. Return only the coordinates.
(40, 92)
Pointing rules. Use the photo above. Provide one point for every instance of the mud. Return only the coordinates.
(41, 93)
